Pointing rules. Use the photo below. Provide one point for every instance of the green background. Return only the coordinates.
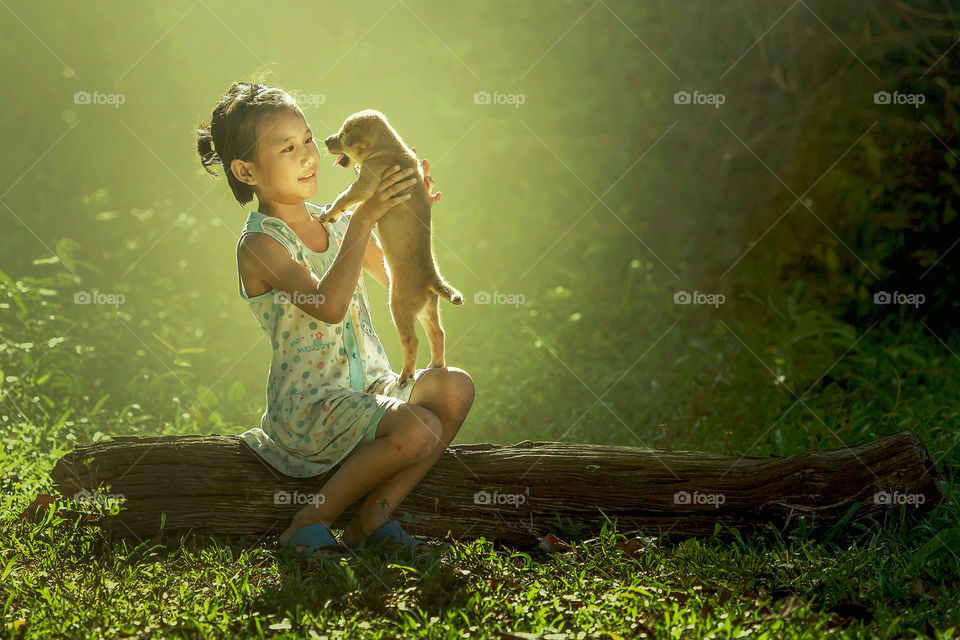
(596, 200)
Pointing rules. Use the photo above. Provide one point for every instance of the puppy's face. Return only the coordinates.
(357, 138)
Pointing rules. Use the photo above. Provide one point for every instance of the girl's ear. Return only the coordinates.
(241, 171)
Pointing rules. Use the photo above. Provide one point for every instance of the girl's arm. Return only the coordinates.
(328, 298)
(373, 261)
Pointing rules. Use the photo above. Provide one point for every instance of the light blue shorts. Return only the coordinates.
(397, 396)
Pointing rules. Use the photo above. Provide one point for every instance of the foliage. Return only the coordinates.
(596, 202)
(878, 180)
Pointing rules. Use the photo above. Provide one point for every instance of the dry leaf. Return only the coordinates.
(507, 584)
(552, 544)
(35, 510)
(631, 547)
(37, 507)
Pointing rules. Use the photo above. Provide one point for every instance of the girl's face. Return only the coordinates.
(287, 159)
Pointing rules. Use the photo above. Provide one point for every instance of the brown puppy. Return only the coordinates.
(367, 140)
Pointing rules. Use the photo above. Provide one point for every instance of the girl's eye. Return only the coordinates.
(290, 148)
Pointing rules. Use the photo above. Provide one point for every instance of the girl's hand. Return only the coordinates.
(428, 182)
(391, 182)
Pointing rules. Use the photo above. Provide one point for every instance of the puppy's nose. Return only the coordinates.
(329, 140)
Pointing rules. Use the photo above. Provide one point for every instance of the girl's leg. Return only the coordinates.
(409, 436)
(448, 394)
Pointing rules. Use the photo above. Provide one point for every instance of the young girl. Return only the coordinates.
(332, 396)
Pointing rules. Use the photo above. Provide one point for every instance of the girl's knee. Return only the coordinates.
(461, 385)
(455, 392)
(418, 433)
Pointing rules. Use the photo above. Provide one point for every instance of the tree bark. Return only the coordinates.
(515, 494)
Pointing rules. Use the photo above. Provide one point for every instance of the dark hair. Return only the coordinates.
(233, 129)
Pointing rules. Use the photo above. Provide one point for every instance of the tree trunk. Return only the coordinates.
(514, 494)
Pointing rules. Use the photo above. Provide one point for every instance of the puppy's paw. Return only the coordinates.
(331, 216)
(404, 378)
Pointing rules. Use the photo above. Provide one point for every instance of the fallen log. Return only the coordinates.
(514, 494)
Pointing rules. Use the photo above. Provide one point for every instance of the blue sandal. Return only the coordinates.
(394, 537)
(314, 537)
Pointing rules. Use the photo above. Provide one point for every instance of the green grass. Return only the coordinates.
(74, 583)
(733, 384)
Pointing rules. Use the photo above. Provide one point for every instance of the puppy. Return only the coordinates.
(368, 141)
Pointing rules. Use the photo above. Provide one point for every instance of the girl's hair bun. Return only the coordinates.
(208, 156)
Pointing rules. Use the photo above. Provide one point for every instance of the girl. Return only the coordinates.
(332, 396)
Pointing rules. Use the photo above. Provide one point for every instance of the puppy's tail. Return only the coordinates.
(444, 290)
